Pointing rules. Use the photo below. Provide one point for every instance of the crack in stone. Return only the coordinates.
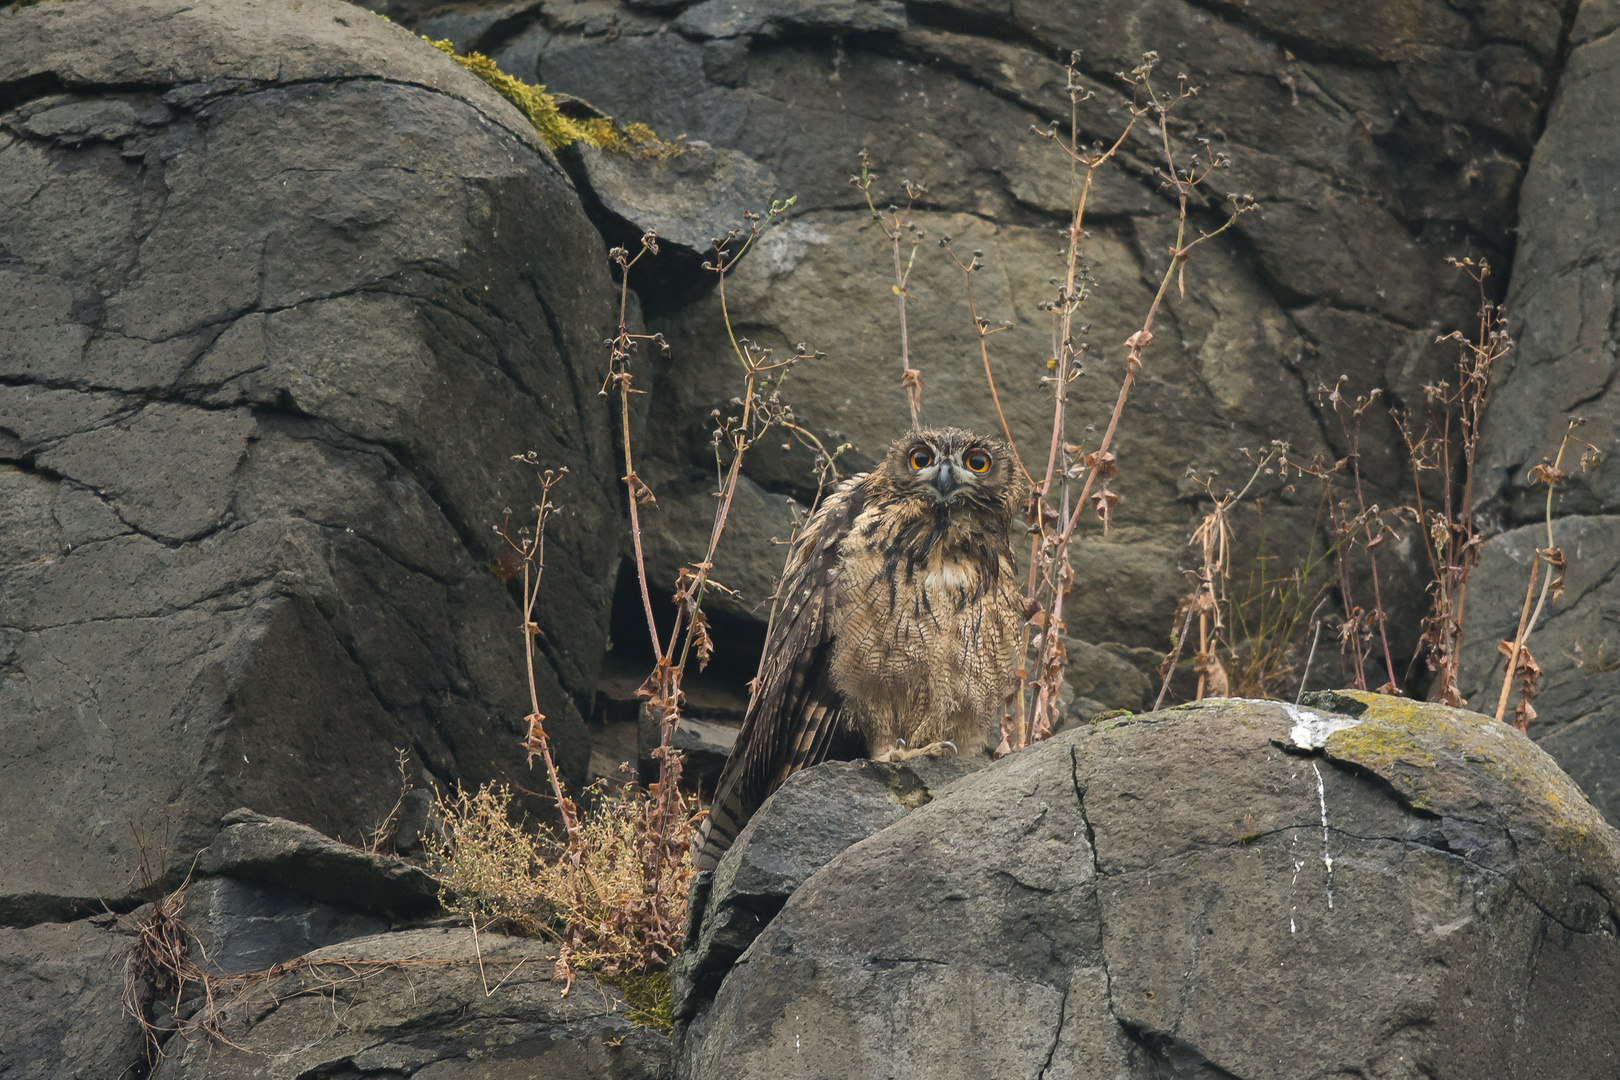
(1057, 1034)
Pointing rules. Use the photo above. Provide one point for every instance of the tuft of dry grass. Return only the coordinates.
(590, 893)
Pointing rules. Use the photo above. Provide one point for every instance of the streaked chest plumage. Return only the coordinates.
(925, 618)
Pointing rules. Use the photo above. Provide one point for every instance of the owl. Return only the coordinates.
(897, 630)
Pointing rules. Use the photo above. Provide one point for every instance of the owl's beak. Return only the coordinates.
(945, 480)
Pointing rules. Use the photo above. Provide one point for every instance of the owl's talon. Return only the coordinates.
(901, 753)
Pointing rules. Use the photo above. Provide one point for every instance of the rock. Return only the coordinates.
(414, 1003)
(705, 743)
(238, 926)
(689, 197)
(1110, 675)
(1575, 644)
(61, 992)
(737, 18)
(287, 855)
(466, 28)
(255, 422)
(812, 817)
(1189, 892)
(1561, 299)
(419, 821)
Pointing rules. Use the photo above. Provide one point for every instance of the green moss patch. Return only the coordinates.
(555, 129)
(647, 993)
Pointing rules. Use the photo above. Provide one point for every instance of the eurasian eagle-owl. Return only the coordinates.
(898, 625)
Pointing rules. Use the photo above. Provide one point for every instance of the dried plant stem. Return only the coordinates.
(1522, 634)
(895, 224)
(1518, 654)
(1310, 658)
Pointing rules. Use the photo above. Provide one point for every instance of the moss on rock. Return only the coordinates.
(1425, 751)
(554, 128)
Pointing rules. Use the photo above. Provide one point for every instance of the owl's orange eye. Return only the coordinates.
(922, 457)
(977, 460)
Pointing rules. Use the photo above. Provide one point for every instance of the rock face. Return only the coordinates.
(1578, 700)
(414, 1004)
(281, 289)
(1377, 139)
(1365, 886)
(287, 855)
(1562, 307)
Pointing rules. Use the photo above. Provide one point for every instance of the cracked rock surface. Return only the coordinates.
(281, 289)
(1192, 894)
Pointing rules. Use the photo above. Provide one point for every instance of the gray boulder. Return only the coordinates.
(428, 1002)
(281, 289)
(61, 992)
(1365, 886)
(286, 855)
(815, 815)
(240, 926)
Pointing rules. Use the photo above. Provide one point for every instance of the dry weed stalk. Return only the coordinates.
(1257, 650)
(1054, 509)
(896, 223)
(380, 840)
(1363, 525)
(613, 888)
(1520, 663)
(504, 875)
(1446, 448)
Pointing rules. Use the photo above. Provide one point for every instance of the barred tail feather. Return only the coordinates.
(726, 819)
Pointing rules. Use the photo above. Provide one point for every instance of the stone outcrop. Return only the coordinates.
(812, 817)
(61, 991)
(1363, 886)
(1378, 139)
(415, 1003)
(281, 290)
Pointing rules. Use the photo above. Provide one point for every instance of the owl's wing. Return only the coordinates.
(794, 716)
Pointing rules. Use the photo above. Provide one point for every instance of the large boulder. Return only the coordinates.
(1364, 886)
(814, 816)
(281, 289)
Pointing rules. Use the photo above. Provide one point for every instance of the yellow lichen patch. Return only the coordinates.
(1448, 759)
(555, 129)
